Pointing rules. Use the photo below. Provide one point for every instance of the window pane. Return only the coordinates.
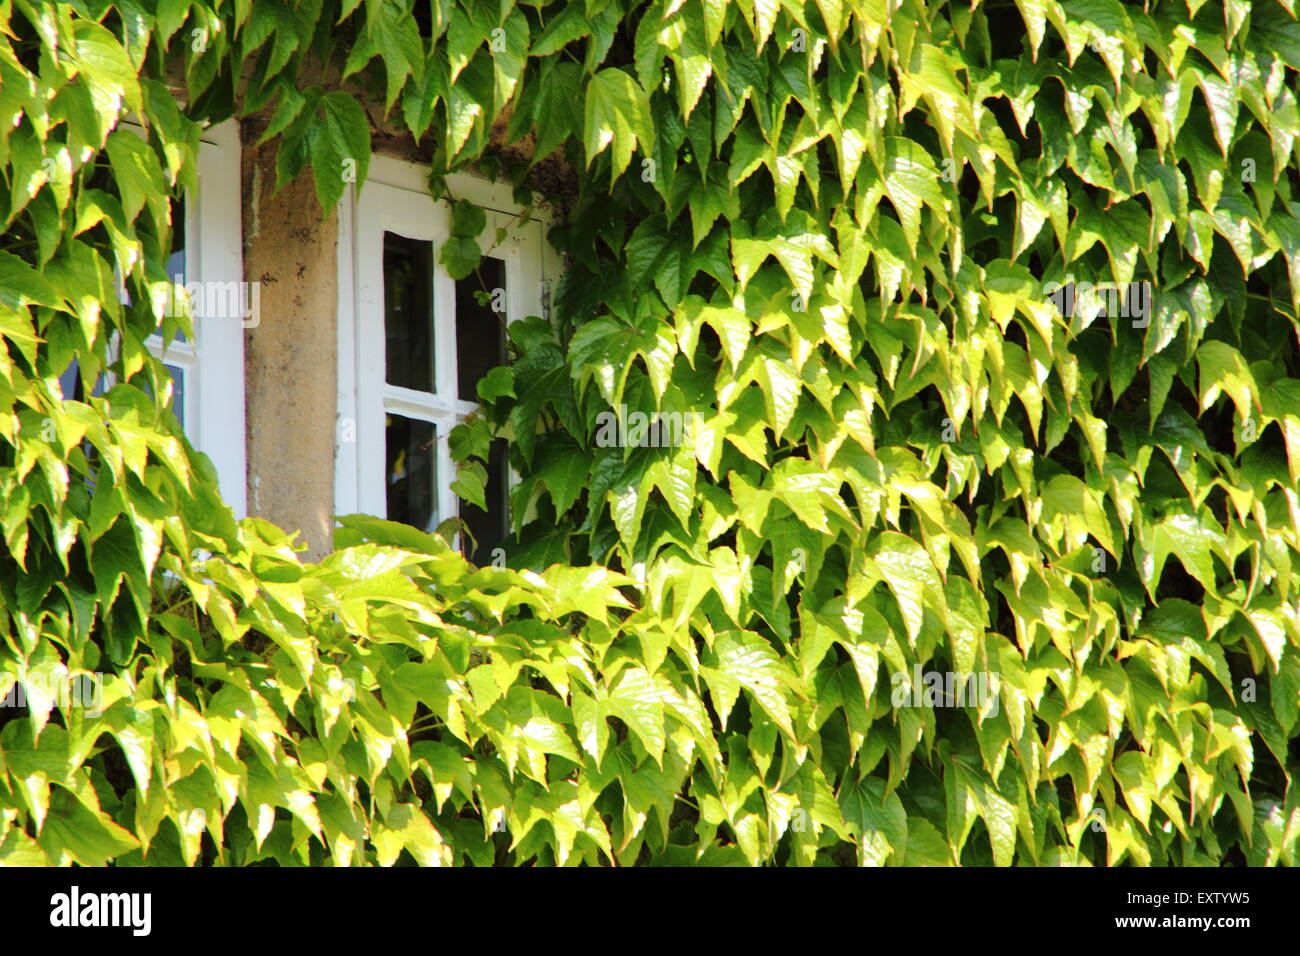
(490, 527)
(408, 312)
(178, 392)
(480, 325)
(177, 375)
(176, 262)
(412, 469)
(74, 390)
(70, 383)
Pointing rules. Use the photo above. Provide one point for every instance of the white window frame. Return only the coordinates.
(395, 198)
(213, 360)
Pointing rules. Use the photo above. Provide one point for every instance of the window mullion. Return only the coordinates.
(444, 333)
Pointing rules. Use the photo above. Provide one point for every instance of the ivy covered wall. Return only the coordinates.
(979, 548)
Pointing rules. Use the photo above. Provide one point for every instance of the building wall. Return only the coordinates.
(290, 361)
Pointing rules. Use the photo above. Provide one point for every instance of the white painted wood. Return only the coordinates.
(395, 198)
(346, 453)
(382, 209)
(217, 237)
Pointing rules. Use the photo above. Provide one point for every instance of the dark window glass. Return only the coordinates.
(412, 467)
(177, 375)
(178, 391)
(73, 390)
(176, 262)
(489, 527)
(70, 383)
(408, 312)
(480, 325)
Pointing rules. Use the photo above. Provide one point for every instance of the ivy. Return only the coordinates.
(975, 541)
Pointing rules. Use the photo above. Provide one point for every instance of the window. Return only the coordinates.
(178, 355)
(208, 373)
(414, 343)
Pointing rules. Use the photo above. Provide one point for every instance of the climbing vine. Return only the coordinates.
(973, 538)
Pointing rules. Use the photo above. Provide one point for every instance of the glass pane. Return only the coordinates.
(411, 465)
(408, 312)
(480, 325)
(490, 527)
(177, 375)
(178, 392)
(176, 262)
(70, 383)
(74, 390)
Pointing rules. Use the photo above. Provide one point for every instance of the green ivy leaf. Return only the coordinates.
(618, 115)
